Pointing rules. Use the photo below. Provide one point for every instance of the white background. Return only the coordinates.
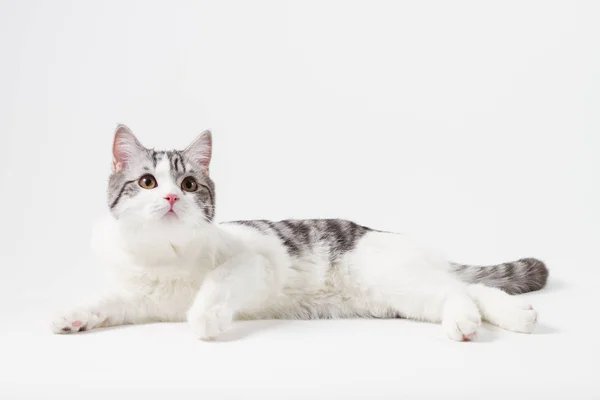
(473, 125)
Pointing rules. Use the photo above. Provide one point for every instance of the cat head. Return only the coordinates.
(149, 187)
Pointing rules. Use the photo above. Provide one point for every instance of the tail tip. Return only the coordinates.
(538, 270)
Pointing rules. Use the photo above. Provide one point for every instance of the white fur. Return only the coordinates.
(211, 274)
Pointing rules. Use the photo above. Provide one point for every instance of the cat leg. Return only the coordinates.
(501, 309)
(109, 310)
(245, 282)
(452, 306)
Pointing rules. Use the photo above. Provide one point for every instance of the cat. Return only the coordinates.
(172, 262)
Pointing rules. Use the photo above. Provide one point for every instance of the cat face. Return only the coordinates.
(161, 187)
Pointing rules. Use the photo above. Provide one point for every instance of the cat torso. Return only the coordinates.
(319, 268)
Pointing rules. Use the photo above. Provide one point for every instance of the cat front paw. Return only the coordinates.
(77, 320)
(208, 323)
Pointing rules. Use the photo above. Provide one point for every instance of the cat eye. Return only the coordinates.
(189, 184)
(147, 182)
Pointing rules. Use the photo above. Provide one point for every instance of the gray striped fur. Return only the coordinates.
(522, 276)
(123, 184)
(301, 237)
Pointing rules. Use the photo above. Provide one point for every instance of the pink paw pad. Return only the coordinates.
(76, 323)
(531, 308)
(468, 338)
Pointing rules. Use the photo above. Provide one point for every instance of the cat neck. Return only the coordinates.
(156, 244)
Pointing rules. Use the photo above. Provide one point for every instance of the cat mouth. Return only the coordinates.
(170, 213)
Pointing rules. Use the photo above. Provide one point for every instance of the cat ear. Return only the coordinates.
(200, 151)
(125, 147)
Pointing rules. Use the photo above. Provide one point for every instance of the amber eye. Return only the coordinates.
(189, 184)
(147, 182)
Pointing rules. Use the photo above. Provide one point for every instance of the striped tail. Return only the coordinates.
(522, 276)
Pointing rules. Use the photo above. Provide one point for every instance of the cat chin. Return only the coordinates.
(151, 242)
(137, 234)
(164, 226)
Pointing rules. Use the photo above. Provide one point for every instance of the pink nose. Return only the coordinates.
(171, 198)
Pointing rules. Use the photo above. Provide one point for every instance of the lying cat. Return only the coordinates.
(172, 262)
